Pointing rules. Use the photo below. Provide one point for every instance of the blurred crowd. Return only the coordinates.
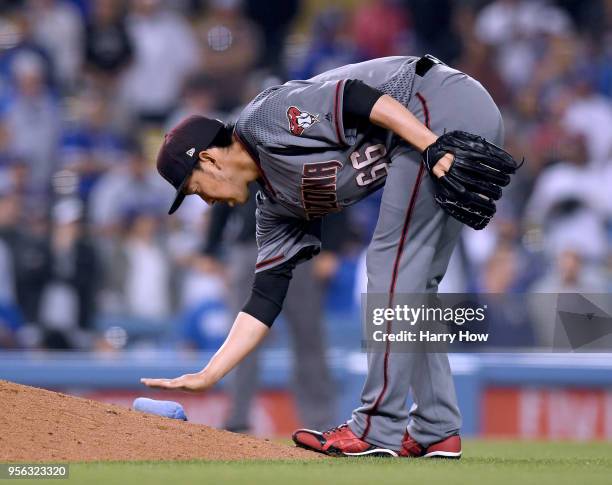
(88, 257)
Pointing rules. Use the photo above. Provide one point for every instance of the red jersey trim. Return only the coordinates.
(269, 261)
(338, 113)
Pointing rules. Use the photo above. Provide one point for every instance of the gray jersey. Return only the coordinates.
(311, 163)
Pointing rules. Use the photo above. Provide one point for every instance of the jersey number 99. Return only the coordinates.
(369, 159)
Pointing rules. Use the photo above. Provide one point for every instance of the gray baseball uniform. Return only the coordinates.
(312, 164)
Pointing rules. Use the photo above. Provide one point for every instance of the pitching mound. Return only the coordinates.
(43, 426)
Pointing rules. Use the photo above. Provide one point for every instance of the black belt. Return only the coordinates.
(425, 63)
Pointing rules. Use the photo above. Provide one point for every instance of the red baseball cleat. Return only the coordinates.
(447, 448)
(339, 441)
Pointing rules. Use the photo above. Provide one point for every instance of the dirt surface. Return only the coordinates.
(44, 426)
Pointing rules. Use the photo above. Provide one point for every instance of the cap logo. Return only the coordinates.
(190, 152)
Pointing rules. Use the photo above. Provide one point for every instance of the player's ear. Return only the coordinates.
(205, 156)
(213, 155)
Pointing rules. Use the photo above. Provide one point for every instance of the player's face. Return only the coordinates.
(213, 184)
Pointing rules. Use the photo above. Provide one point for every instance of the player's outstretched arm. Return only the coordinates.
(392, 115)
(246, 333)
(250, 327)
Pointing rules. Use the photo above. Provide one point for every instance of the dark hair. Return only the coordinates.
(224, 137)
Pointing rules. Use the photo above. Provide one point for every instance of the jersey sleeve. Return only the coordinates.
(281, 236)
(302, 114)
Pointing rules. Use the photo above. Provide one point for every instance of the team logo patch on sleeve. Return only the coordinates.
(299, 120)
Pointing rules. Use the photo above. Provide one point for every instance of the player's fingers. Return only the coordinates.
(160, 383)
(443, 165)
(438, 172)
(152, 382)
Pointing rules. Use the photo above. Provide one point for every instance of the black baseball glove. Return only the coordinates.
(475, 179)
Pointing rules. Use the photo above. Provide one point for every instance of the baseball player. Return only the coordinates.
(422, 132)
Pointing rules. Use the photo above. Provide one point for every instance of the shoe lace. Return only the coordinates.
(333, 430)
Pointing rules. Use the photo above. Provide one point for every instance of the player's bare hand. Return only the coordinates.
(197, 382)
(443, 165)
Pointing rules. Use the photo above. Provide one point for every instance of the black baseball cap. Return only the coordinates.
(178, 154)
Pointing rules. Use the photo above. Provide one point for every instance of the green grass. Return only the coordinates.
(484, 463)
